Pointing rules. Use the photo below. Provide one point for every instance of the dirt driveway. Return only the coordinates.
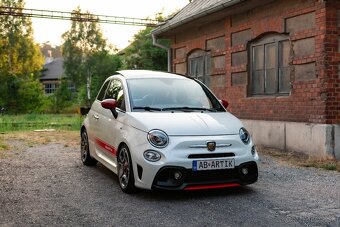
(43, 183)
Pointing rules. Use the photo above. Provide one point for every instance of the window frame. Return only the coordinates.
(264, 42)
(50, 88)
(203, 57)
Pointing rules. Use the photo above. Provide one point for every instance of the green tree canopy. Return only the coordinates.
(20, 59)
(19, 55)
(142, 54)
(87, 54)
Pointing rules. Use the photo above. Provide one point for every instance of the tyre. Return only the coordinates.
(125, 171)
(85, 150)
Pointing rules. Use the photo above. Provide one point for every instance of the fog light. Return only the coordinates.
(178, 175)
(244, 171)
(152, 156)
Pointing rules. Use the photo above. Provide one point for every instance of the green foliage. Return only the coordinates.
(105, 65)
(87, 56)
(31, 97)
(141, 54)
(19, 55)
(63, 97)
(20, 61)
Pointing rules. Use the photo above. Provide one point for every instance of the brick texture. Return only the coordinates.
(313, 27)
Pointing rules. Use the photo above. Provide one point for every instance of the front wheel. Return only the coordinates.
(125, 171)
(85, 150)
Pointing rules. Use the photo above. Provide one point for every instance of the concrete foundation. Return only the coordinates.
(320, 141)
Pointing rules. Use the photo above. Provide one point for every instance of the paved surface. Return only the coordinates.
(48, 186)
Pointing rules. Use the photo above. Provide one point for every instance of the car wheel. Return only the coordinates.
(125, 171)
(85, 150)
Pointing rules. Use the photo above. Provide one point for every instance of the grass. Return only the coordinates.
(3, 145)
(13, 143)
(301, 159)
(40, 121)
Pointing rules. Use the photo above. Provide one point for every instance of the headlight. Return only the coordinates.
(152, 156)
(158, 138)
(244, 135)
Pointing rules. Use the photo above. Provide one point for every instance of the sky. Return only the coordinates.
(118, 35)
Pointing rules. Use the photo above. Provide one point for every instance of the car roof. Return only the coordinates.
(132, 74)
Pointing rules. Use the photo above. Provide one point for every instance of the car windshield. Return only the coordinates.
(170, 94)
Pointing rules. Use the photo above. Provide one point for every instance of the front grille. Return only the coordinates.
(211, 175)
(211, 155)
(165, 177)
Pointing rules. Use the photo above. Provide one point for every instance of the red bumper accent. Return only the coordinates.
(212, 186)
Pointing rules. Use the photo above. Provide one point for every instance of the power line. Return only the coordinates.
(86, 17)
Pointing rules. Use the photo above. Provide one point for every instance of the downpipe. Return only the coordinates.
(168, 49)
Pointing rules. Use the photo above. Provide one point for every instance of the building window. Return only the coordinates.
(199, 64)
(50, 88)
(269, 66)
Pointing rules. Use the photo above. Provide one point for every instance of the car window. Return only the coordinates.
(169, 92)
(115, 91)
(102, 91)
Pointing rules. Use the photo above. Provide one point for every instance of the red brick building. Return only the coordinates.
(277, 62)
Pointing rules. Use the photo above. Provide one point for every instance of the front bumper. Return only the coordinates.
(192, 180)
(179, 156)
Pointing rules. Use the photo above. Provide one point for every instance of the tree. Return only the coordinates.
(86, 53)
(142, 54)
(20, 58)
(31, 97)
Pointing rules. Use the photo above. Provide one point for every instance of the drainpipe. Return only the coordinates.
(168, 49)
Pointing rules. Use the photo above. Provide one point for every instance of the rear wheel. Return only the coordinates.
(125, 171)
(85, 150)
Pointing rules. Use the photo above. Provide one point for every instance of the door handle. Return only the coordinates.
(95, 116)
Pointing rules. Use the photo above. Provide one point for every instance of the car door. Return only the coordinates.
(93, 116)
(107, 126)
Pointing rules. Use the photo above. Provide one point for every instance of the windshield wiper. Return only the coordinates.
(187, 108)
(147, 108)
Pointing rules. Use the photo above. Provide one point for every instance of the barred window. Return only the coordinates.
(199, 64)
(50, 88)
(269, 66)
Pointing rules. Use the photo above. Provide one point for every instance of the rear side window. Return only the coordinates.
(101, 93)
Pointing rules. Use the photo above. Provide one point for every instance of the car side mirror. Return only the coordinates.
(110, 104)
(224, 103)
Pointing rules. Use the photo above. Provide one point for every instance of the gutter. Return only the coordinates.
(198, 15)
(191, 18)
(168, 49)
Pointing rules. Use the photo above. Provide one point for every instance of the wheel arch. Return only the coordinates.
(82, 129)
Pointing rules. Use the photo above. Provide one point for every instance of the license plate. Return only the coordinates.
(213, 164)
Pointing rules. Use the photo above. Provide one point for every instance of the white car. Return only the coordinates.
(159, 130)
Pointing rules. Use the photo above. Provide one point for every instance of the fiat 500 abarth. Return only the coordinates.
(159, 130)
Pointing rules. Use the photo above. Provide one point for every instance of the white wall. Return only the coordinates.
(316, 140)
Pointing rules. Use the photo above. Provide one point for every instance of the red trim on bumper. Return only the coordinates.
(213, 186)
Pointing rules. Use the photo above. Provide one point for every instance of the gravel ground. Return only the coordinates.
(47, 185)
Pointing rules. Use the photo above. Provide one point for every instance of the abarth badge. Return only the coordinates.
(211, 145)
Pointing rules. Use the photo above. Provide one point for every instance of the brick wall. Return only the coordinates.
(313, 28)
(331, 84)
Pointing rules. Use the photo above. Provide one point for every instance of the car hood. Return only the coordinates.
(193, 123)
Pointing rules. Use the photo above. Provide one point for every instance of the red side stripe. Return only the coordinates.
(106, 146)
(212, 186)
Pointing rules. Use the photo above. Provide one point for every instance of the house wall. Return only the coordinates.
(312, 108)
(314, 32)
